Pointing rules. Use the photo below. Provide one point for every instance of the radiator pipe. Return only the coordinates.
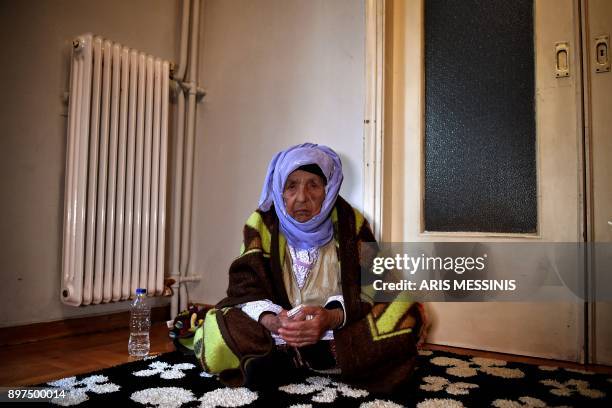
(175, 241)
(176, 203)
(183, 170)
(180, 75)
(187, 196)
(186, 261)
(195, 30)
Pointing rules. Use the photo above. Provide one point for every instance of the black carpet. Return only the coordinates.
(442, 380)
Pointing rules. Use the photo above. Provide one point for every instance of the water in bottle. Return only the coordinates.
(140, 324)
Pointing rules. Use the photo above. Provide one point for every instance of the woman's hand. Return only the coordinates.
(299, 331)
(273, 322)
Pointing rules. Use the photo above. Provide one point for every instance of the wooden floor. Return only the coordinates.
(33, 363)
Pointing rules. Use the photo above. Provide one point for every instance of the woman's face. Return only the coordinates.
(303, 195)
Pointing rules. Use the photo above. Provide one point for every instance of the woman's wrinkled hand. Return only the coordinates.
(300, 331)
(273, 322)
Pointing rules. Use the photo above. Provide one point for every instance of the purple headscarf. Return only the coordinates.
(319, 230)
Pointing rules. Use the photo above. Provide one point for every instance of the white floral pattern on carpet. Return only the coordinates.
(569, 387)
(440, 383)
(174, 397)
(325, 389)
(76, 391)
(523, 402)
(165, 370)
(462, 368)
(440, 403)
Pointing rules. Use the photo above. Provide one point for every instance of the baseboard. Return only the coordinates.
(73, 327)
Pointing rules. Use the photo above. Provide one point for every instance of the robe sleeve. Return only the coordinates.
(249, 273)
(255, 308)
(337, 300)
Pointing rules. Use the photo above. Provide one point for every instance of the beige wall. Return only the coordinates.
(33, 76)
(276, 73)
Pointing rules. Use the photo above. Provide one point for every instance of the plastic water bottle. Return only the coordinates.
(140, 324)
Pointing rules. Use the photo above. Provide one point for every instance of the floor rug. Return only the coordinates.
(441, 380)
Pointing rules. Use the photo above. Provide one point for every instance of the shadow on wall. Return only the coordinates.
(351, 178)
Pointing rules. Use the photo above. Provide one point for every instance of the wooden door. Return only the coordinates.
(552, 330)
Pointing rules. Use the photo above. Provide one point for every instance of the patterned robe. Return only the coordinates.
(375, 349)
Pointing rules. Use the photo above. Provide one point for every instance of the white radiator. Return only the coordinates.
(116, 160)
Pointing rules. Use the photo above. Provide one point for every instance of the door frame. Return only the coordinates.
(373, 141)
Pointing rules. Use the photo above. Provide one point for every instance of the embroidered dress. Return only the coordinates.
(302, 261)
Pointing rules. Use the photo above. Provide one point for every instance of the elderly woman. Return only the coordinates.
(294, 297)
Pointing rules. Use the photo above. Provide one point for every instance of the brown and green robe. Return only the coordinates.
(375, 349)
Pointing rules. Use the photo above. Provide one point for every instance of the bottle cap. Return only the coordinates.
(141, 291)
